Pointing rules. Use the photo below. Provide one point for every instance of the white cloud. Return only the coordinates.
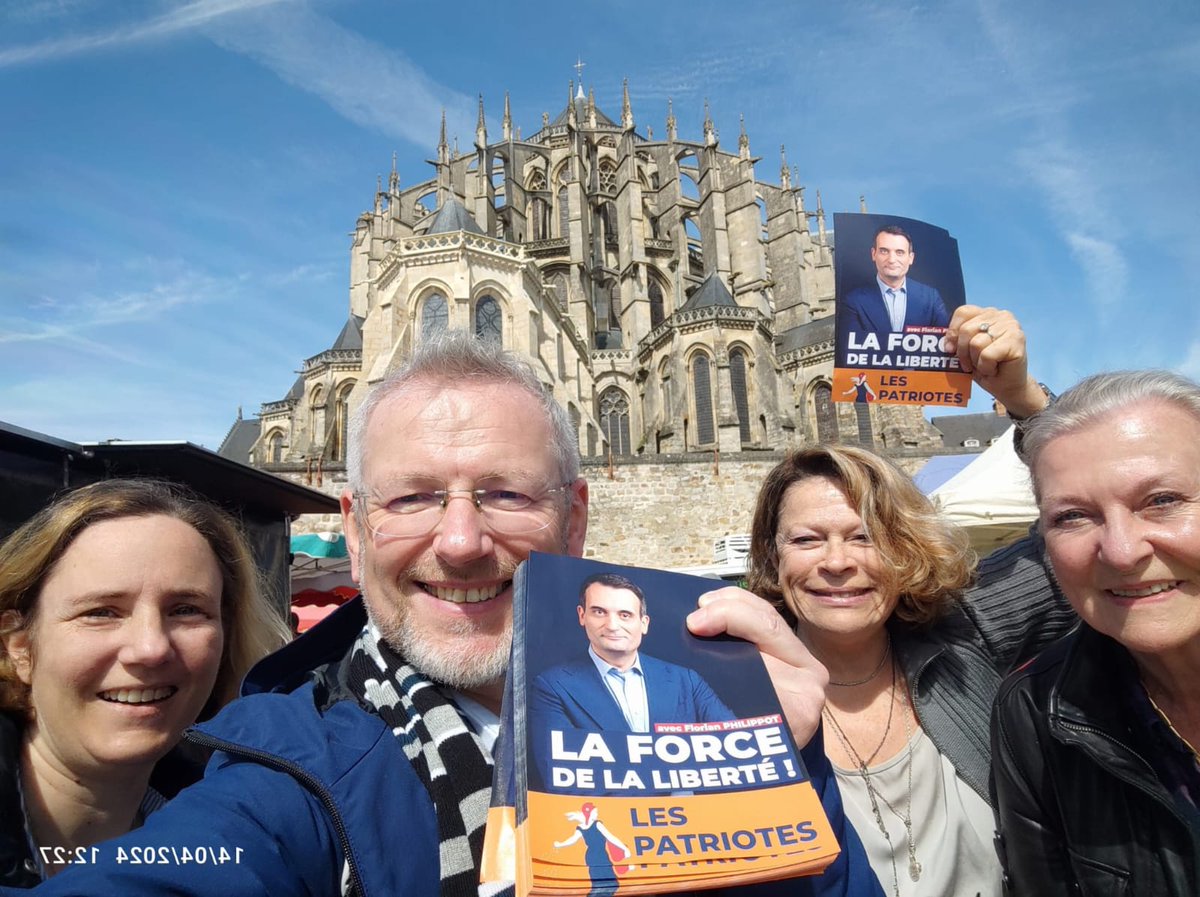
(61, 319)
(370, 84)
(181, 18)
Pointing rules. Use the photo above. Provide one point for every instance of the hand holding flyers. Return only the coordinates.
(798, 677)
(990, 346)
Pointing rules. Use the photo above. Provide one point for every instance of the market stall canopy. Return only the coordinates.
(321, 580)
(991, 497)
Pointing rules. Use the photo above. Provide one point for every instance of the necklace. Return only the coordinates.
(887, 650)
(914, 866)
(1170, 725)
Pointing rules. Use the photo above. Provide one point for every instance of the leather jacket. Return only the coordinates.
(1079, 809)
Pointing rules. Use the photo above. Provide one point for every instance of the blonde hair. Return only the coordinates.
(252, 627)
(925, 559)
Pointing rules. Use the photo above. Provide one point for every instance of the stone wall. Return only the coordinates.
(667, 513)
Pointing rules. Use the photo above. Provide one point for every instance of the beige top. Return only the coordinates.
(952, 825)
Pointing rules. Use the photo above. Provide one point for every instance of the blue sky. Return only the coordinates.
(178, 180)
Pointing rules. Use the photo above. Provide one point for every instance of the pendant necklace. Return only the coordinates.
(914, 866)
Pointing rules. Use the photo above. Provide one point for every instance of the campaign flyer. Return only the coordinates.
(645, 759)
(898, 281)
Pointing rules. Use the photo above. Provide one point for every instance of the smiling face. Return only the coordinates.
(893, 256)
(444, 599)
(124, 646)
(1122, 525)
(828, 568)
(614, 622)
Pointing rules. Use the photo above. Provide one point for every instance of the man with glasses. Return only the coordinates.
(361, 761)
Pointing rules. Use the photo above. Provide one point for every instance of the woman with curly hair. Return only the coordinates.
(876, 585)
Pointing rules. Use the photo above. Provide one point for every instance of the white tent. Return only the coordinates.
(990, 497)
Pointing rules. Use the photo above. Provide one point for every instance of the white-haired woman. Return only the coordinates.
(1097, 775)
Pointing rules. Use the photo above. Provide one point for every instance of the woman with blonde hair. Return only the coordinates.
(128, 610)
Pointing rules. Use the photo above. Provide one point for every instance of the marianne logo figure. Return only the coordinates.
(602, 850)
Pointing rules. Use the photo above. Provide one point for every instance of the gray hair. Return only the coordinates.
(1098, 396)
(452, 357)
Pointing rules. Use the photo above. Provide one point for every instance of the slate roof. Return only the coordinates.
(240, 439)
(602, 120)
(351, 335)
(956, 429)
(711, 292)
(452, 216)
(804, 335)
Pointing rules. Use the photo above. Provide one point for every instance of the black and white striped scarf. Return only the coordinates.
(445, 752)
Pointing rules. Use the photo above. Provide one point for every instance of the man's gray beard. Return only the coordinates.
(462, 670)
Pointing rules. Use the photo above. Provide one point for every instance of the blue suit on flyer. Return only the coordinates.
(572, 696)
(865, 312)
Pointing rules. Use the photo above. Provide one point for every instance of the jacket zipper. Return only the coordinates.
(1136, 783)
(312, 784)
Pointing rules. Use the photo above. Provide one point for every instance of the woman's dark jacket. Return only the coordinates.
(1080, 809)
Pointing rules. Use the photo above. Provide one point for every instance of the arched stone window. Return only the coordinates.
(608, 216)
(825, 414)
(275, 448)
(564, 212)
(741, 397)
(608, 177)
(435, 317)
(539, 208)
(488, 326)
(341, 410)
(316, 417)
(702, 392)
(614, 420)
(656, 303)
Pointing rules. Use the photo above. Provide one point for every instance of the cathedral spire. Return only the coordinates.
(578, 66)
(820, 220)
(591, 107)
(785, 176)
(443, 148)
(626, 108)
(507, 123)
(743, 138)
(572, 121)
(862, 203)
(378, 194)
(710, 132)
(481, 127)
(393, 178)
(672, 135)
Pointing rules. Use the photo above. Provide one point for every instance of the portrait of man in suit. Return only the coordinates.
(614, 686)
(895, 301)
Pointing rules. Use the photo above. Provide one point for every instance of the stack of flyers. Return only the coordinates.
(634, 756)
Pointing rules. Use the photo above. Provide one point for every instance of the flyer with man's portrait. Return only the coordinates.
(898, 282)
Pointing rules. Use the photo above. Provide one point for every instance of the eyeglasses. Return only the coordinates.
(506, 511)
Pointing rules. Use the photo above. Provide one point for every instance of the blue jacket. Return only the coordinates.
(305, 779)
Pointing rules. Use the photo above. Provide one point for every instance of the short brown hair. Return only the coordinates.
(926, 560)
(252, 627)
